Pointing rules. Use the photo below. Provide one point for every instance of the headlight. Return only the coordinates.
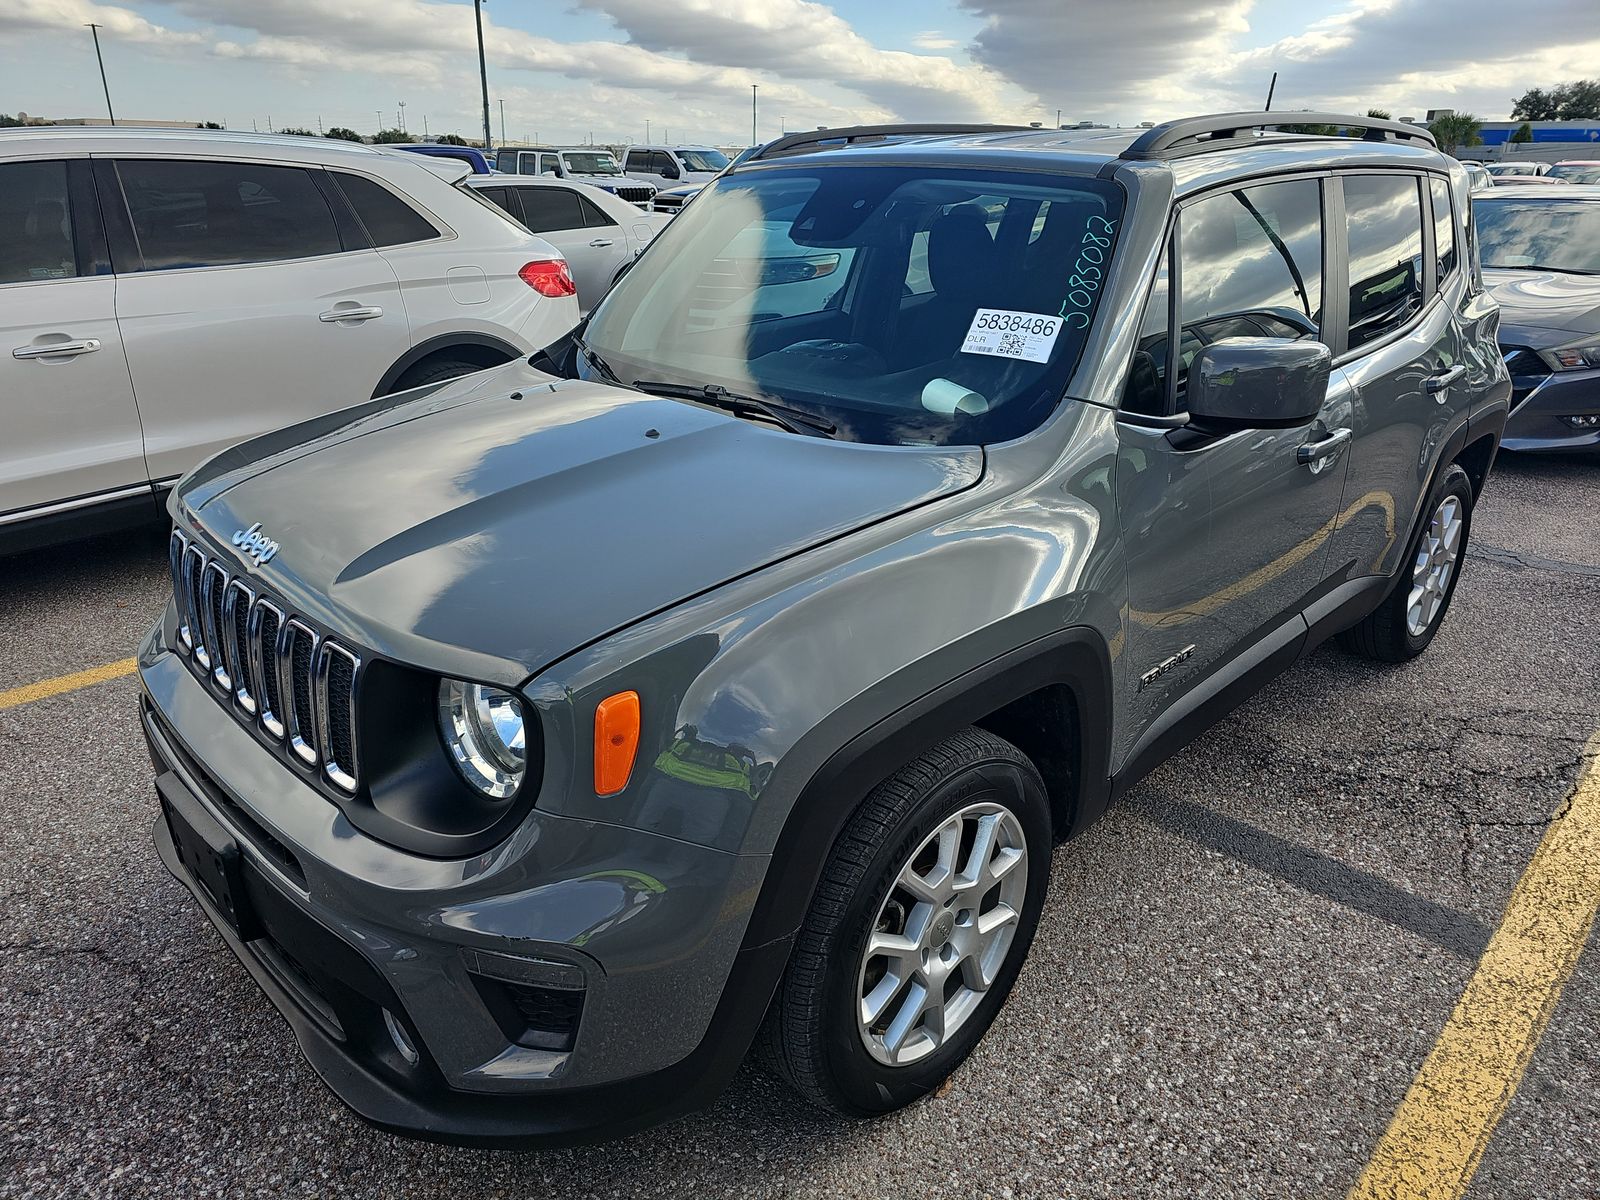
(484, 731)
(1572, 358)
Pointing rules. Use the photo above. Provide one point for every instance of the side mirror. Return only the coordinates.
(1258, 383)
(670, 171)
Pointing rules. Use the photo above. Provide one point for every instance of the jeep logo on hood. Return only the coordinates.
(256, 544)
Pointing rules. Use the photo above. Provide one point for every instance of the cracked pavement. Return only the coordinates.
(1237, 975)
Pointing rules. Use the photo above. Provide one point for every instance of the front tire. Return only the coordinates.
(1405, 623)
(923, 917)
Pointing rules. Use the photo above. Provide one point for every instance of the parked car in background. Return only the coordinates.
(1478, 179)
(1541, 260)
(670, 200)
(1528, 180)
(580, 164)
(471, 155)
(681, 164)
(1516, 170)
(165, 294)
(598, 234)
(727, 673)
(1577, 171)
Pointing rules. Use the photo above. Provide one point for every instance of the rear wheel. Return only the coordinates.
(925, 912)
(435, 370)
(1403, 625)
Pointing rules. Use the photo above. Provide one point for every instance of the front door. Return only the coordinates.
(244, 312)
(69, 428)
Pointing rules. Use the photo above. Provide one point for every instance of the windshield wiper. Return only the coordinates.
(599, 364)
(793, 419)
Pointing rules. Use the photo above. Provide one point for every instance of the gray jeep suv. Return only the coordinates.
(544, 740)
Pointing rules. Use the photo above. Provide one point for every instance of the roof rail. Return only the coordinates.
(798, 143)
(1196, 135)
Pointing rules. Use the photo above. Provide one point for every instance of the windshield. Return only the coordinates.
(1556, 235)
(901, 305)
(1513, 169)
(588, 162)
(1576, 172)
(703, 160)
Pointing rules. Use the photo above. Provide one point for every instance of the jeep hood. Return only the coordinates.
(506, 519)
(1534, 300)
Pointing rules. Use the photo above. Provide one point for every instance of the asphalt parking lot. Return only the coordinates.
(1238, 975)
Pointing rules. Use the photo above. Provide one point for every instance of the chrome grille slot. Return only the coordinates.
(274, 671)
(266, 623)
(216, 627)
(176, 550)
(336, 713)
(297, 654)
(194, 605)
(236, 612)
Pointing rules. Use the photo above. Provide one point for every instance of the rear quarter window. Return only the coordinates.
(389, 220)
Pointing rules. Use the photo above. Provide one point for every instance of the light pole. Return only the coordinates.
(95, 30)
(647, 131)
(402, 116)
(380, 120)
(483, 72)
(502, 122)
(753, 87)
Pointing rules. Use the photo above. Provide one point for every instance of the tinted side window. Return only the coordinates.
(389, 220)
(547, 209)
(505, 198)
(638, 160)
(1444, 229)
(35, 223)
(1146, 389)
(527, 164)
(592, 216)
(1251, 266)
(206, 214)
(1384, 216)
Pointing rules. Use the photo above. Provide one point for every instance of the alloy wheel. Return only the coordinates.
(1435, 566)
(942, 934)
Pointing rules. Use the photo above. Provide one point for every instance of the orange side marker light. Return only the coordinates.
(616, 741)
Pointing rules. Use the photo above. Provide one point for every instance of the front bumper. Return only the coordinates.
(658, 1035)
(1541, 402)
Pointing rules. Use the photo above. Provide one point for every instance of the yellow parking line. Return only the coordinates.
(67, 683)
(1438, 1135)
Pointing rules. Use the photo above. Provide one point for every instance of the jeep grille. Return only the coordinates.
(271, 669)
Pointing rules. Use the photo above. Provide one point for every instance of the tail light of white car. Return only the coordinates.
(549, 277)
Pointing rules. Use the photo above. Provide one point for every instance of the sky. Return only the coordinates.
(682, 70)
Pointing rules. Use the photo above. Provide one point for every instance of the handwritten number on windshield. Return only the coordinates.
(1087, 273)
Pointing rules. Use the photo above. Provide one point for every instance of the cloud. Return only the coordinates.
(803, 40)
(34, 16)
(933, 39)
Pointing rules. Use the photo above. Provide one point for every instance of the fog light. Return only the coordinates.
(402, 1039)
(1584, 421)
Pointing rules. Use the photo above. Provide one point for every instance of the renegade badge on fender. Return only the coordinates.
(724, 675)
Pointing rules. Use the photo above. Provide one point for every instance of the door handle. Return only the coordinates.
(1315, 452)
(1434, 384)
(602, 242)
(335, 315)
(64, 349)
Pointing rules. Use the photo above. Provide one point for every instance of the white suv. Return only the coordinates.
(166, 294)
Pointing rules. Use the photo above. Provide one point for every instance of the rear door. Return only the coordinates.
(1403, 354)
(245, 302)
(69, 428)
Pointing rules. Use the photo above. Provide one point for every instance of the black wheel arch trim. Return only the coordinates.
(433, 345)
(1076, 656)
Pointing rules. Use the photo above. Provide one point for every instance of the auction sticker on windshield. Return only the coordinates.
(1007, 334)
